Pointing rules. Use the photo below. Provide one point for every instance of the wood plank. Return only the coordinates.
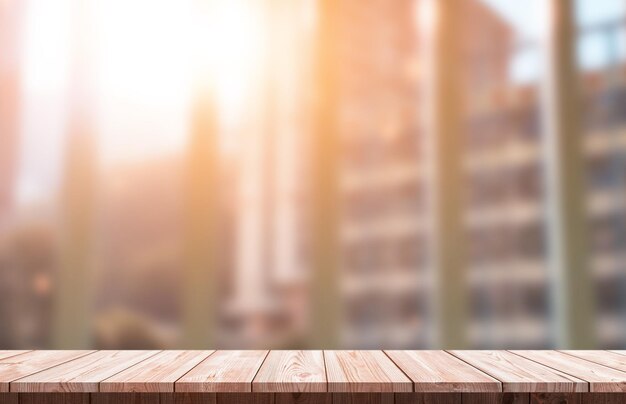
(223, 372)
(363, 398)
(54, 398)
(291, 372)
(364, 372)
(303, 398)
(555, 398)
(8, 354)
(156, 374)
(496, 398)
(188, 398)
(16, 367)
(440, 372)
(245, 398)
(429, 398)
(81, 375)
(607, 358)
(601, 379)
(603, 398)
(521, 375)
(126, 398)
(8, 398)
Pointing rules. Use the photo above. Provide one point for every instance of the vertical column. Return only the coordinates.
(571, 279)
(324, 195)
(72, 328)
(202, 201)
(254, 302)
(444, 152)
(201, 214)
(10, 18)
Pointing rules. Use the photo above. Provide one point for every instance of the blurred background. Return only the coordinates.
(312, 173)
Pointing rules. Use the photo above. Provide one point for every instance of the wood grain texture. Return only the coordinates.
(8, 354)
(291, 371)
(364, 372)
(363, 398)
(285, 377)
(555, 398)
(16, 367)
(440, 372)
(8, 398)
(54, 398)
(611, 359)
(156, 374)
(496, 398)
(188, 398)
(224, 372)
(245, 398)
(303, 398)
(125, 398)
(603, 398)
(429, 398)
(601, 379)
(520, 375)
(82, 375)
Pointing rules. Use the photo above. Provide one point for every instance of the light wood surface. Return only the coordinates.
(82, 375)
(8, 354)
(518, 374)
(439, 372)
(16, 367)
(364, 372)
(607, 358)
(291, 371)
(224, 371)
(155, 374)
(302, 376)
(602, 379)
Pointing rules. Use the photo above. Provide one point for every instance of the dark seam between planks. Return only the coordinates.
(559, 370)
(192, 368)
(401, 370)
(50, 367)
(115, 374)
(257, 371)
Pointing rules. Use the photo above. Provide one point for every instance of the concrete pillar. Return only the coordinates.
(444, 151)
(324, 193)
(73, 322)
(571, 279)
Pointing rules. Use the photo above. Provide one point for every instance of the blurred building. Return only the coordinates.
(383, 275)
(604, 128)
(270, 269)
(386, 280)
(505, 209)
(503, 205)
(132, 231)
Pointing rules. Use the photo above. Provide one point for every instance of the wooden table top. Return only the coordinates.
(313, 371)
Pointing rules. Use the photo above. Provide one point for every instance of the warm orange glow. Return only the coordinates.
(145, 56)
